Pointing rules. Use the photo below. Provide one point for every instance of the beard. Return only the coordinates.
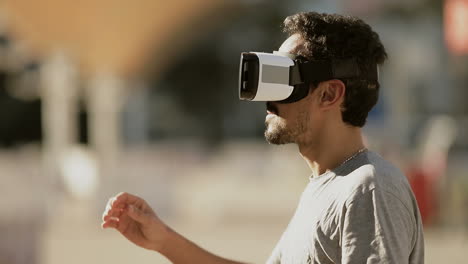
(280, 131)
(277, 131)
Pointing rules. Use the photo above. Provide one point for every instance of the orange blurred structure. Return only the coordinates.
(456, 29)
(105, 35)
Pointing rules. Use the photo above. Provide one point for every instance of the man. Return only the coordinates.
(357, 208)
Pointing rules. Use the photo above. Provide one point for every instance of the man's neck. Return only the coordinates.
(332, 149)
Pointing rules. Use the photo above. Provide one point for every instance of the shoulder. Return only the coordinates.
(369, 172)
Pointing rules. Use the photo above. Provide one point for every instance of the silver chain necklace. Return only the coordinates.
(353, 156)
(348, 159)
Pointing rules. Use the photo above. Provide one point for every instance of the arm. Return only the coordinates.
(136, 221)
(178, 249)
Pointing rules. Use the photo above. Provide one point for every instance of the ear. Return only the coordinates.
(332, 93)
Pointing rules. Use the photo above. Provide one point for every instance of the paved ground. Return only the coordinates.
(75, 237)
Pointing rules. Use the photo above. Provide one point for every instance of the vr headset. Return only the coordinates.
(285, 77)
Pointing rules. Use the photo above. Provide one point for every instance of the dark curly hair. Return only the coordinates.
(332, 36)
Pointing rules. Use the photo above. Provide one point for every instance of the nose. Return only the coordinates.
(272, 107)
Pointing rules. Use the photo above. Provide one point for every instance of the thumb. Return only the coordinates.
(137, 215)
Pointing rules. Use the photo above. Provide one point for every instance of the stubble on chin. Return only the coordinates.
(277, 132)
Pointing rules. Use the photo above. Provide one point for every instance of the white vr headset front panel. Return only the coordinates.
(273, 83)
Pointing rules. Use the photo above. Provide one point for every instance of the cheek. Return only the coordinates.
(295, 114)
(315, 120)
(303, 120)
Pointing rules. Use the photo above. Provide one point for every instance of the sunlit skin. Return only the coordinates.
(136, 220)
(313, 123)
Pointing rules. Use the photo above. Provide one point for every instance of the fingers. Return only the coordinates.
(121, 204)
(116, 204)
(126, 198)
(113, 203)
(111, 217)
(111, 220)
(110, 223)
(116, 213)
(125, 205)
(111, 211)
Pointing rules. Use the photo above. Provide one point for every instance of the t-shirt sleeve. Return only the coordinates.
(275, 257)
(376, 228)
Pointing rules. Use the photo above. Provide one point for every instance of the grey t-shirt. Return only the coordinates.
(361, 212)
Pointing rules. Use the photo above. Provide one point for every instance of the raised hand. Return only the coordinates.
(136, 221)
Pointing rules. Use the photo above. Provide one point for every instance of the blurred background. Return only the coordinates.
(103, 96)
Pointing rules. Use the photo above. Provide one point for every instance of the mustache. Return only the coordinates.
(271, 107)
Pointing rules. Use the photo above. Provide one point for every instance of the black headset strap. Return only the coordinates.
(317, 71)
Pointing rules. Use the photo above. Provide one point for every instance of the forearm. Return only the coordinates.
(180, 250)
(135, 220)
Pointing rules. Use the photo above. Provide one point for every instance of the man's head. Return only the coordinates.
(317, 36)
